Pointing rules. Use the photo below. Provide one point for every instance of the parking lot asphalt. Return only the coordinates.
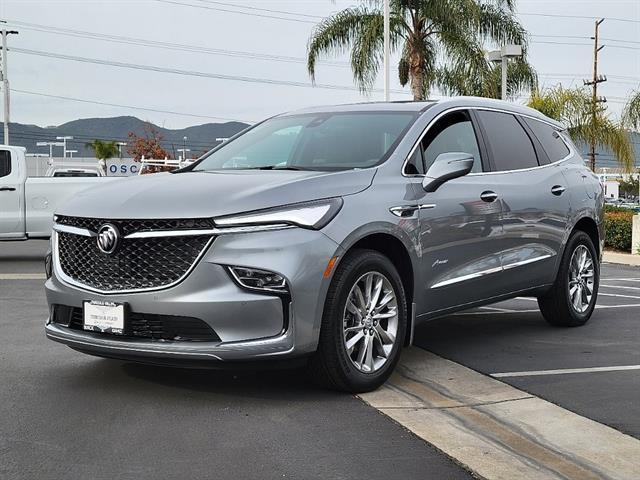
(512, 337)
(67, 415)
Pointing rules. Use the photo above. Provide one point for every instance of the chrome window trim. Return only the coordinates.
(471, 276)
(491, 109)
(64, 278)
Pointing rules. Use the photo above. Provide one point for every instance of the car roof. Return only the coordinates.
(420, 107)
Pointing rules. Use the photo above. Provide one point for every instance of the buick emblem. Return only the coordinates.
(108, 238)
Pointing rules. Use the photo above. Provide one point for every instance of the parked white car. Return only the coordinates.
(27, 204)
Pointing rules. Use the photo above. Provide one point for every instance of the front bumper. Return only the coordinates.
(250, 325)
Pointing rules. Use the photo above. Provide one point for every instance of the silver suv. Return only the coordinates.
(326, 235)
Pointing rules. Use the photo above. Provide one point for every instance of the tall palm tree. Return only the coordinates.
(574, 107)
(631, 113)
(104, 150)
(441, 41)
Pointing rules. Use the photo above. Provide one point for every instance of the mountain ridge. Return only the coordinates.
(200, 138)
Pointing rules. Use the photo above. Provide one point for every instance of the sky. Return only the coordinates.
(250, 39)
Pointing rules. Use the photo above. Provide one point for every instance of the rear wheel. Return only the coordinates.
(572, 299)
(363, 324)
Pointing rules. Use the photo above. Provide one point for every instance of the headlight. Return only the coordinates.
(314, 215)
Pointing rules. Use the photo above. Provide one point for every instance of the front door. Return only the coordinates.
(11, 197)
(460, 229)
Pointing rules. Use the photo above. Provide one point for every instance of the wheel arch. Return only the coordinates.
(395, 250)
(589, 226)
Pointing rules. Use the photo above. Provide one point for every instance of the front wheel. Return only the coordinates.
(363, 324)
(572, 299)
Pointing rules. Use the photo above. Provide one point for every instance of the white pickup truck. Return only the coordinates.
(27, 204)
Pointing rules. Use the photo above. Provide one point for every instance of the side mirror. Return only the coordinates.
(447, 166)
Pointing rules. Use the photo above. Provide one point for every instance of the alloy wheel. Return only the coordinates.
(581, 279)
(370, 322)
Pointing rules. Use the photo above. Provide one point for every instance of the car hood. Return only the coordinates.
(211, 194)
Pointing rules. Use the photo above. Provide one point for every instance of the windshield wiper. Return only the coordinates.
(275, 167)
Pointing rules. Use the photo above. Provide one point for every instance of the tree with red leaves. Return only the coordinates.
(148, 145)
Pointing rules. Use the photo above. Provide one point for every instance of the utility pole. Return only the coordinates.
(5, 81)
(595, 100)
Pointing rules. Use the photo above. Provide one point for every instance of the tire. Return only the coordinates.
(333, 365)
(557, 305)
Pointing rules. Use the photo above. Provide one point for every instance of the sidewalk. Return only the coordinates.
(621, 258)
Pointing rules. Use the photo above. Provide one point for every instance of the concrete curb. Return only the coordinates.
(496, 430)
(621, 258)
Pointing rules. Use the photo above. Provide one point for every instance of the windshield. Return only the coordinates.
(326, 141)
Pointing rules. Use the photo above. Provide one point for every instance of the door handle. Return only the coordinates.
(558, 190)
(404, 211)
(489, 196)
(7, 189)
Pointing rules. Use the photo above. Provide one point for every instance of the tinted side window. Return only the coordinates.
(452, 133)
(549, 138)
(5, 163)
(511, 147)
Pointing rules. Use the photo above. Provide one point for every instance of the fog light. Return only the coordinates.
(255, 279)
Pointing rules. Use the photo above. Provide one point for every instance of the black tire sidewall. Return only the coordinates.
(357, 265)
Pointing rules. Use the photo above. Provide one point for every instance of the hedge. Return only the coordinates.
(618, 224)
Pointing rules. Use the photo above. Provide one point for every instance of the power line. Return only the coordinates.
(173, 2)
(191, 73)
(161, 44)
(146, 109)
(584, 44)
(584, 17)
(251, 7)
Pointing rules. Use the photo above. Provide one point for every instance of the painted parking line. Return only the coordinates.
(565, 371)
(496, 430)
(23, 276)
(624, 287)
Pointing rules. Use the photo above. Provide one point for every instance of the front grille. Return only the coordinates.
(144, 325)
(137, 263)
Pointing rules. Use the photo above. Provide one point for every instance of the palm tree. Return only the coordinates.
(104, 150)
(574, 107)
(631, 113)
(441, 41)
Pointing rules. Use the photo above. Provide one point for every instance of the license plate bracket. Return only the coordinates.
(104, 317)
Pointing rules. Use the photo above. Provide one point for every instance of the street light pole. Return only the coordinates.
(64, 144)
(387, 49)
(503, 55)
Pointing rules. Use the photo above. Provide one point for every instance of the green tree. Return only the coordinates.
(631, 113)
(441, 43)
(104, 150)
(574, 107)
(630, 186)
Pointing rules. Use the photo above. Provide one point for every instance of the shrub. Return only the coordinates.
(618, 224)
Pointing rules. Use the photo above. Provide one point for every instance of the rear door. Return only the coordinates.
(535, 207)
(460, 228)
(11, 197)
